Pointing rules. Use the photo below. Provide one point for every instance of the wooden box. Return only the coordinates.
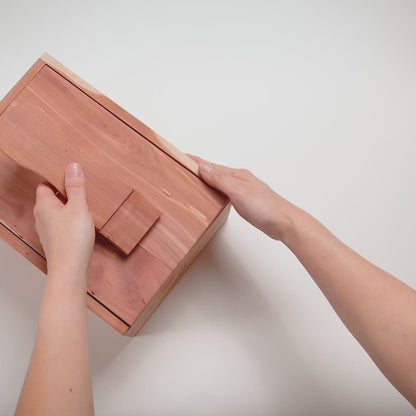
(159, 213)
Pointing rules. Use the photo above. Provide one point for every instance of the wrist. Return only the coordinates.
(286, 221)
(69, 272)
(299, 225)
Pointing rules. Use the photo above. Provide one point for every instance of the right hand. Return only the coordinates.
(255, 201)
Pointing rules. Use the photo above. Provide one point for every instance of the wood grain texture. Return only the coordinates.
(124, 284)
(33, 134)
(15, 91)
(122, 114)
(17, 198)
(187, 204)
(123, 290)
(16, 241)
(134, 209)
(186, 262)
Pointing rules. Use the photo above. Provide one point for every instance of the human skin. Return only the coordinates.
(58, 380)
(377, 308)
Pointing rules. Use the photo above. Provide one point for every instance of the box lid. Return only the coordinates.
(52, 104)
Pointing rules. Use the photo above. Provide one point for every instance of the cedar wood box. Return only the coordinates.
(53, 105)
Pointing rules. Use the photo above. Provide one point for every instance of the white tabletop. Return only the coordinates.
(315, 97)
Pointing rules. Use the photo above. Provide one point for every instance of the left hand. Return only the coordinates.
(66, 231)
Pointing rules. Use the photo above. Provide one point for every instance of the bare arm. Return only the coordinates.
(58, 379)
(378, 309)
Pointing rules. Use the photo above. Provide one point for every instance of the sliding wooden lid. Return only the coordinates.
(132, 175)
(41, 130)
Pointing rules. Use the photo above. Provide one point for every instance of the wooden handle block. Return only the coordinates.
(130, 222)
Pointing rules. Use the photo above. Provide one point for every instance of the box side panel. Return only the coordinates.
(179, 271)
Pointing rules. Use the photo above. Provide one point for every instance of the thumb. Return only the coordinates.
(218, 176)
(75, 183)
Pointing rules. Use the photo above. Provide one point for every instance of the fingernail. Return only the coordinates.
(206, 167)
(74, 170)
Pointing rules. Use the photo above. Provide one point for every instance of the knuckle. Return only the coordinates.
(77, 205)
(75, 185)
(222, 173)
(38, 212)
(37, 209)
(243, 174)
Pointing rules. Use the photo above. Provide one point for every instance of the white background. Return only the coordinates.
(315, 97)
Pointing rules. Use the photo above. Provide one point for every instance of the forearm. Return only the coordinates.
(58, 380)
(378, 309)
